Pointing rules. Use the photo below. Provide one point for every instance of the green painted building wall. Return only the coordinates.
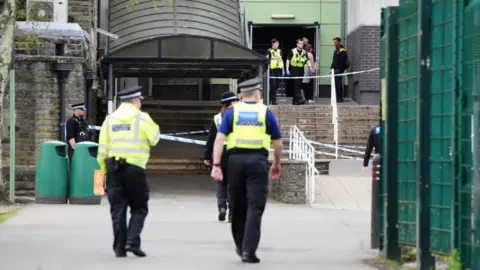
(326, 12)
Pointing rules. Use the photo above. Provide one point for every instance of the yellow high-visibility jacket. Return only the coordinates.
(127, 133)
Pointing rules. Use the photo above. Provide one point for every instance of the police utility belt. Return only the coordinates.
(116, 166)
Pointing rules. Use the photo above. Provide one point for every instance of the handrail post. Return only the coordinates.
(375, 213)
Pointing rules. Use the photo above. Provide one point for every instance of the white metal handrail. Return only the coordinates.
(333, 103)
(301, 149)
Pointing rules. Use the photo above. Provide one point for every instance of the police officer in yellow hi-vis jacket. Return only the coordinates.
(274, 54)
(227, 100)
(124, 149)
(251, 127)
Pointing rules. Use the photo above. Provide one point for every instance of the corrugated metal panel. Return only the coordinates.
(210, 18)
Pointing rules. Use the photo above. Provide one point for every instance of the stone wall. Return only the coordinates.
(364, 54)
(84, 12)
(290, 188)
(37, 101)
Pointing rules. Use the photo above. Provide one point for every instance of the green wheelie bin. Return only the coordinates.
(84, 164)
(51, 178)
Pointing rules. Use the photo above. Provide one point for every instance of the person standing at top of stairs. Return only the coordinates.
(227, 101)
(296, 61)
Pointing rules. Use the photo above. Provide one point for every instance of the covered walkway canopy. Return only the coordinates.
(178, 56)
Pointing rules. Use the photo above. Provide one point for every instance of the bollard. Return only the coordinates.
(375, 222)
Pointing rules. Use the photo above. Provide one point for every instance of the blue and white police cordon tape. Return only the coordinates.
(89, 126)
(353, 146)
(326, 76)
(333, 155)
(169, 137)
(180, 139)
(189, 132)
(334, 147)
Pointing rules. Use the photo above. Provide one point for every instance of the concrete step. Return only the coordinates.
(177, 166)
(164, 125)
(204, 112)
(182, 121)
(326, 135)
(180, 105)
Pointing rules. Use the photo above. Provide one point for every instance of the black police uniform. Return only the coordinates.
(373, 142)
(339, 64)
(77, 128)
(248, 177)
(222, 186)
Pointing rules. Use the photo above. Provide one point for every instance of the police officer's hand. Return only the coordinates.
(365, 169)
(274, 172)
(217, 173)
(207, 162)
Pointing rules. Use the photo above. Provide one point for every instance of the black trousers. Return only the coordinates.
(297, 84)
(128, 188)
(339, 85)
(248, 176)
(308, 89)
(222, 186)
(274, 84)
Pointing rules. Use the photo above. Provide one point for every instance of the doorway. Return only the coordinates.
(262, 34)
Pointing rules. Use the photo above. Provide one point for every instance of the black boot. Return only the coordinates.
(222, 214)
(135, 250)
(250, 258)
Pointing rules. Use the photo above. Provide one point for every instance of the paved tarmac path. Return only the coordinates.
(182, 233)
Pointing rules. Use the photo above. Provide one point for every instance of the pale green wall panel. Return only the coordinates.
(325, 12)
(220, 81)
(330, 13)
(305, 13)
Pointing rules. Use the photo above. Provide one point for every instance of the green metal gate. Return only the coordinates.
(470, 185)
(407, 123)
(442, 89)
(430, 78)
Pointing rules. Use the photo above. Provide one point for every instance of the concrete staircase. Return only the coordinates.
(170, 158)
(315, 121)
(175, 158)
(177, 166)
(179, 116)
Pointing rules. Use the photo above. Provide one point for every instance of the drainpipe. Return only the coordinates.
(62, 69)
(342, 19)
(90, 77)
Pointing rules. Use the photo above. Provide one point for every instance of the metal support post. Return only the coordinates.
(267, 90)
(424, 38)
(375, 215)
(389, 135)
(12, 133)
(110, 89)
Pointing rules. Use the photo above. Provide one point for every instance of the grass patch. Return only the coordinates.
(7, 215)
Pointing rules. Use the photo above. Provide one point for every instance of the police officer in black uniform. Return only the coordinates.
(227, 100)
(372, 143)
(340, 63)
(250, 127)
(77, 129)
